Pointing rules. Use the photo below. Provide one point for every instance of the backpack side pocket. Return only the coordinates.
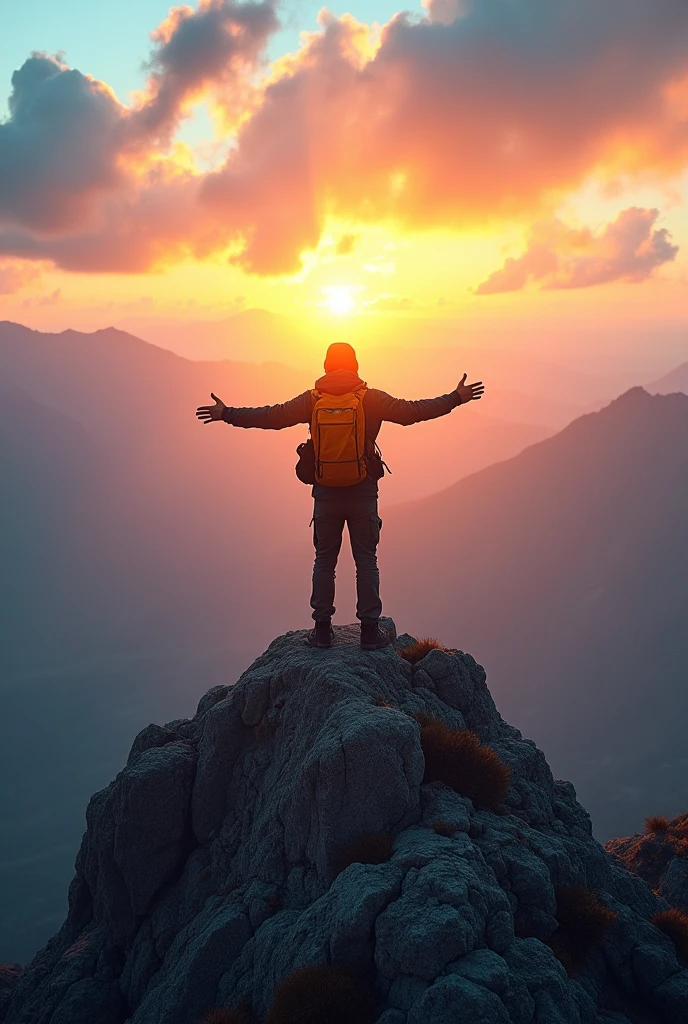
(305, 467)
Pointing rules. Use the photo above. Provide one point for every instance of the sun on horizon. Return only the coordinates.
(339, 299)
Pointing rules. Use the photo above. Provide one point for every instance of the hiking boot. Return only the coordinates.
(373, 637)
(322, 634)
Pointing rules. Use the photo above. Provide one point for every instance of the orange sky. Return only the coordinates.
(447, 164)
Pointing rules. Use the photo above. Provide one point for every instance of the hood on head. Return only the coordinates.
(339, 382)
(341, 356)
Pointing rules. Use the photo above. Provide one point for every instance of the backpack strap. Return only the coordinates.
(315, 395)
(378, 452)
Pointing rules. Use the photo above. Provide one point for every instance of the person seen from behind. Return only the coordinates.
(343, 463)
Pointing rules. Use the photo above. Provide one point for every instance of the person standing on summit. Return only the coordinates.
(343, 463)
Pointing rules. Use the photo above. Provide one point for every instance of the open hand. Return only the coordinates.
(209, 413)
(469, 392)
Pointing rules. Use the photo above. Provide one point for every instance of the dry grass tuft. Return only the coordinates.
(680, 823)
(445, 828)
(674, 923)
(375, 848)
(415, 652)
(678, 845)
(384, 704)
(656, 823)
(229, 1015)
(457, 758)
(583, 924)
(325, 994)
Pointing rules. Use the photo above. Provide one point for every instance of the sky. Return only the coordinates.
(471, 159)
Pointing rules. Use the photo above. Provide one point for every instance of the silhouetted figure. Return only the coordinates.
(344, 464)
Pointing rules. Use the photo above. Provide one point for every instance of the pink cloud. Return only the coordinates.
(627, 249)
(452, 121)
(83, 178)
(15, 275)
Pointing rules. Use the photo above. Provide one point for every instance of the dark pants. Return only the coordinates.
(360, 514)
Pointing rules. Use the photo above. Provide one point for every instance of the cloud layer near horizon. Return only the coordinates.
(15, 275)
(476, 114)
(628, 249)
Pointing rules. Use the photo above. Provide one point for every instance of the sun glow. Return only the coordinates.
(339, 300)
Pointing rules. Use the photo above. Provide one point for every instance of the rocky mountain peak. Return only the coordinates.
(659, 856)
(349, 822)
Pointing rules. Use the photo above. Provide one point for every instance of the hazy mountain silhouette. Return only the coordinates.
(253, 335)
(52, 483)
(186, 503)
(541, 409)
(90, 376)
(676, 380)
(566, 570)
(423, 354)
(138, 400)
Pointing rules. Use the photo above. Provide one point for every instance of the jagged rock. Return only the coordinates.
(660, 858)
(674, 887)
(209, 868)
(137, 835)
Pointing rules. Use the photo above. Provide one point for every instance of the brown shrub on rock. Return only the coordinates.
(228, 1015)
(375, 848)
(656, 823)
(674, 923)
(414, 652)
(680, 824)
(325, 994)
(458, 758)
(678, 845)
(583, 924)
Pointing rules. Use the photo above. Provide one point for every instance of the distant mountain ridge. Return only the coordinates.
(576, 548)
(410, 356)
(677, 380)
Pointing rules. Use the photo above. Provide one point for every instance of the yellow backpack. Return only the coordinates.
(339, 439)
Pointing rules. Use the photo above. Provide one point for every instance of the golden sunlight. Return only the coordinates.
(338, 299)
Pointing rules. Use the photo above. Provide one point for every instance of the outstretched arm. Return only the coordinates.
(399, 410)
(268, 417)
